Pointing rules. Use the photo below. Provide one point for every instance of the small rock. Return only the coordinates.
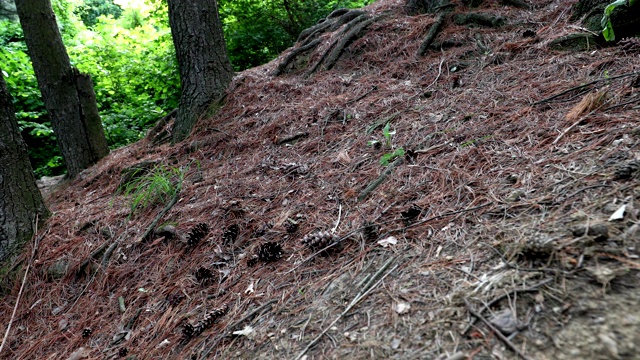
(600, 231)
(57, 270)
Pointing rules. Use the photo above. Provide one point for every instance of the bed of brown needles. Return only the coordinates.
(505, 228)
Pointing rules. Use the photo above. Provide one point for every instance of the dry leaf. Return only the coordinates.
(247, 331)
(81, 353)
(391, 240)
(618, 214)
(402, 307)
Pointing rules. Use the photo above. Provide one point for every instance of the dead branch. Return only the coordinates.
(160, 215)
(635, 73)
(380, 179)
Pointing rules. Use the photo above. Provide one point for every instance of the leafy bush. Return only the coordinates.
(134, 73)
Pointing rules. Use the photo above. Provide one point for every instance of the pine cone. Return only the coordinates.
(252, 261)
(203, 274)
(627, 170)
(197, 233)
(270, 251)
(291, 227)
(175, 299)
(411, 214)
(231, 234)
(190, 331)
(370, 231)
(538, 246)
(321, 239)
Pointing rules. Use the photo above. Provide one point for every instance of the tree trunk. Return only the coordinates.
(205, 69)
(67, 94)
(20, 200)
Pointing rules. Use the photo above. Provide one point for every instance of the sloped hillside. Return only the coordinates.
(447, 206)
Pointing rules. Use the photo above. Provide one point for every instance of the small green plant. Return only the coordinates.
(607, 26)
(156, 186)
(389, 157)
(387, 135)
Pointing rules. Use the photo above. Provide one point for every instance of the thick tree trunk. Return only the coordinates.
(67, 94)
(20, 200)
(205, 69)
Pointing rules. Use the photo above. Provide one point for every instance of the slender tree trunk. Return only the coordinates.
(20, 199)
(205, 69)
(67, 94)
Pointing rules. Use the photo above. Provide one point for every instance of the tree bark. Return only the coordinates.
(67, 94)
(20, 200)
(205, 69)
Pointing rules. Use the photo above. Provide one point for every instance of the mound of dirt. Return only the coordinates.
(474, 201)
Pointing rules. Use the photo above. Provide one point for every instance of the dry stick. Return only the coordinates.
(232, 326)
(160, 215)
(353, 303)
(571, 127)
(531, 288)
(584, 86)
(24, 281)
(496, 331)
(374, 88)
(380, 179)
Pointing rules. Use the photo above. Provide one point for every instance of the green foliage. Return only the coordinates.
(387, 135)
(134, 73)
(607, 26)
(389, 157)
(135, 76)
(155, 187)
(256, 31)
(90, 10)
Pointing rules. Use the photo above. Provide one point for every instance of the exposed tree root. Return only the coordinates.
(351, 32)
(309, 38)
(431, 35)
(284, 64)
(331, 23)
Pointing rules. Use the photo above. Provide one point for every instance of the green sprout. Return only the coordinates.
(387, 135)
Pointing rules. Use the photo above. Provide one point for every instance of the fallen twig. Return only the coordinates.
(161, 214)
(563, 133)
(584, 86)
(24, 281)
(495, 331)
(531, 288)
(361, 295)
(380, 179)
(234, 325)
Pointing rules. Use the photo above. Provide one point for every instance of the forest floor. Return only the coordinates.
(509, 228)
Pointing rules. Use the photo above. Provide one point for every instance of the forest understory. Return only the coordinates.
(367, 195)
